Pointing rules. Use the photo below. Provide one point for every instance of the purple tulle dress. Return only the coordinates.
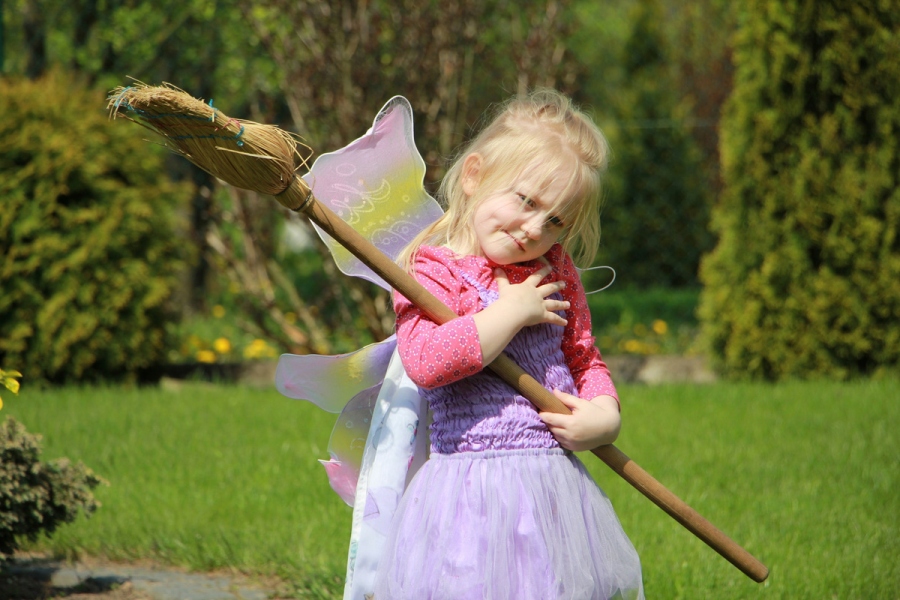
(500, 511)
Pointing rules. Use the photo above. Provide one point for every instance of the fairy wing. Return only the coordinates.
(347, 384)
(330, 382)
(347, 443)
(375, 185)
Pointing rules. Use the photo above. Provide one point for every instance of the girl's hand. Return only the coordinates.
(591, 424)
(518, 306)
(528, 300)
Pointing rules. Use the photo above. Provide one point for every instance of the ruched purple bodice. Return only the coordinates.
(482, 412)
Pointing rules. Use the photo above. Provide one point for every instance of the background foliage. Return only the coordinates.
(805, 279)
(655, 74)
(89, 248)
(259, 60)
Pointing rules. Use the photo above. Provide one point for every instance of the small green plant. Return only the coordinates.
(645, 321)
(36, 497)
(9, 380)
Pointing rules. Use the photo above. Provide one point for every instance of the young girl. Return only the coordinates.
(503, 509)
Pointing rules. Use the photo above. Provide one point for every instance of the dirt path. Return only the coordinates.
(40, 578)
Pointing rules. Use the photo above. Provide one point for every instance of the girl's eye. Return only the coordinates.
(528, 201)
(555, 221)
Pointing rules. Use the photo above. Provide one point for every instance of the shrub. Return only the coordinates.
(37, 497)
(89, 251)
(805, 279)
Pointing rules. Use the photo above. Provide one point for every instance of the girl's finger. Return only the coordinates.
(555, 319)
(550, 288)
(539, 275)
(554, 305)
(569, 400)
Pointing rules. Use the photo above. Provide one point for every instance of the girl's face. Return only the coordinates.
(517, 224)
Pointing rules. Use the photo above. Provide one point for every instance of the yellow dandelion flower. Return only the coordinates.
(206, 356)
(218, 311)
(633, 346)
(660, 327)
(222, 346)
(260, 349)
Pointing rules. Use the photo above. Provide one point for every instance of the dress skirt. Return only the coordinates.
(507, 524)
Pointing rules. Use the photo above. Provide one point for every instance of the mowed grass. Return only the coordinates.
(206, 477)
(802, 475)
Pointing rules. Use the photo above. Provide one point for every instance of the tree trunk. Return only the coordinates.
(35, 39)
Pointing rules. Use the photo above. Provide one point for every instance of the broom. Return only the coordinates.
(264, 158)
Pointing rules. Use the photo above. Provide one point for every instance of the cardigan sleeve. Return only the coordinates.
(435, 355)
(591, 375)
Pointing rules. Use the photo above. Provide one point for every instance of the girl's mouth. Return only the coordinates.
(515, 240)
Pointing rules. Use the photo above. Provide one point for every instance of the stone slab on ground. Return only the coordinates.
(658, 369)
(47, 578)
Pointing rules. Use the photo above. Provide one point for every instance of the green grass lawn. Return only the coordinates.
(803, 475)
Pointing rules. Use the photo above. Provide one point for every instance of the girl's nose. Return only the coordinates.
(533, 227)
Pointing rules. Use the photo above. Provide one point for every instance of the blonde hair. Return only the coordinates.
(543, 128)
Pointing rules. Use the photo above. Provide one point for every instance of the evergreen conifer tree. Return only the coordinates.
(656, 217)
(805, 278)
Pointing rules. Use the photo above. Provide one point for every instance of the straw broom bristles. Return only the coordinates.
(248, 155)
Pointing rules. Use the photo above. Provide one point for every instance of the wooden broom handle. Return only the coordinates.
(298, 196)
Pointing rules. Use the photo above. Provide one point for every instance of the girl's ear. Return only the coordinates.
(471, 173)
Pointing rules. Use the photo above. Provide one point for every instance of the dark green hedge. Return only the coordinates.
(656, 214)
(89, 250)
(805, 279)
